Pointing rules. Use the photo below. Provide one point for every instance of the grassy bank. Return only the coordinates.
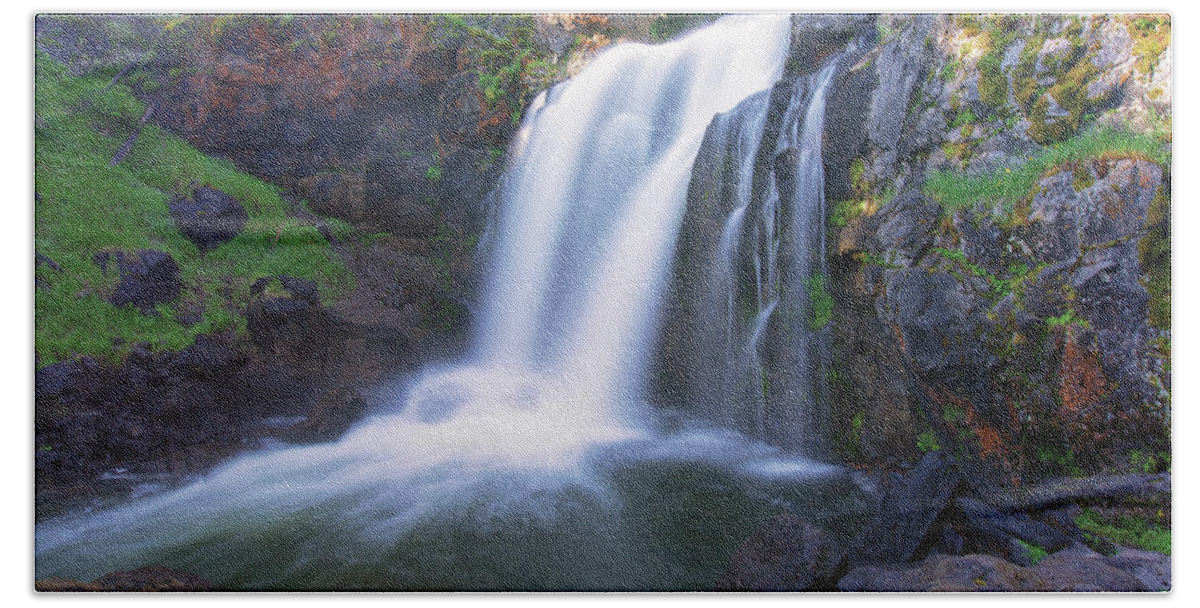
(86, 206)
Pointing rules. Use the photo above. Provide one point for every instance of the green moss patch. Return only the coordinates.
(820, 302)
(1154, 253)
(1151, 36)
(1127, 530)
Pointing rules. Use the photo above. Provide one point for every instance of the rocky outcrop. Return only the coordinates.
(788, 554)
(931, 532)
(1003, 328)
(301, 373)
(1028, 334)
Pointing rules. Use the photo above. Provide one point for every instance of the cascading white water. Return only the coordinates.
(595, 198)
(751, 343)
(589, 211)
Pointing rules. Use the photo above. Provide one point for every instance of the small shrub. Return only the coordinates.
(433, 173)
(1067, 318)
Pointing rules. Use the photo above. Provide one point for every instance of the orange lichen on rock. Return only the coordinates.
(309, 61)
(990, 443)
(1083, 389)
(1082, 381)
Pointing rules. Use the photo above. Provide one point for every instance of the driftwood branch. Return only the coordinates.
(127, 147)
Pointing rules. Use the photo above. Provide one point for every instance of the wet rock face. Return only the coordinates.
(900, 67)
(937, 316)
(816, 36)
(1066, 341)
(906, 231)
(1045, 318)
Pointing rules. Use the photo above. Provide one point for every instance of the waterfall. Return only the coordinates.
(747, 344)
(492, 473)
(595, 198)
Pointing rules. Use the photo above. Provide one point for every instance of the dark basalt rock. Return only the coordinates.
(940, 573)
(940, 318)
(302, 289)
(907, 227)
(148, 278)
(906, 513)
(41, 259)
(989, 528)
(210, 218)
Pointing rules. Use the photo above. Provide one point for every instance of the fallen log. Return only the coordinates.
(1069, 490)
(127, 147)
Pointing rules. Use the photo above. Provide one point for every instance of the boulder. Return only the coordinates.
(906, 513)
(210, 218)
(1081, 569)
(41, 259)
(148, 278)
(302, 289)
(209, 357)
(1152, 568)
(788, 554)
(277, 321)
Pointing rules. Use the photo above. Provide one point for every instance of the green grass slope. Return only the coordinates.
(86, 206)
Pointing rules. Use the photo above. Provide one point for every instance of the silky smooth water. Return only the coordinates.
(535, 462)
